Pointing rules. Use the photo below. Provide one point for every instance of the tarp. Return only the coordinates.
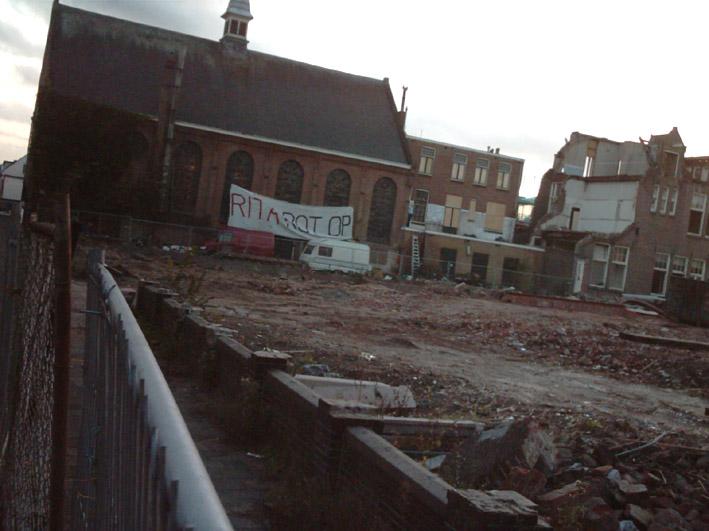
(252, 211)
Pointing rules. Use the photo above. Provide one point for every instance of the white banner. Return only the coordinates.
(252, 211)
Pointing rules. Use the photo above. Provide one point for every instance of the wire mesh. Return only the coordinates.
(27, 452)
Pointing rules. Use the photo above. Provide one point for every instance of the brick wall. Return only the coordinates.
(353, 470)
(439, 183)
(217, 149)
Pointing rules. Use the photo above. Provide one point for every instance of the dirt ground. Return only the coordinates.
(463, 351)
(467, 355)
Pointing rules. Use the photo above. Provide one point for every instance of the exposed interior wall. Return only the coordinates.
(607, 207)
(606, 155)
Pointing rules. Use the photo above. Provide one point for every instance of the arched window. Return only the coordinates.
(239, 171)
(186, 169)
(289, 186)
(337, 189)
(381, 212)
(137, 146)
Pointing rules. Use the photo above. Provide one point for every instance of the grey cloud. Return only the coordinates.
(37, 8)
(15, 113)
(28, 74)
(12, 40)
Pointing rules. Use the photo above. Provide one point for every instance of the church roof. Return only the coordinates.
(122, 64)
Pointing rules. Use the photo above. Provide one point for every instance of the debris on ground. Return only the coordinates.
(627, 419)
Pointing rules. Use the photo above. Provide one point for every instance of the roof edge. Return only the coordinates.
(296, 145)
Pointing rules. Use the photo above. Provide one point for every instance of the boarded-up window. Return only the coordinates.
(495, 217)
(289, 186)
(337, 189)
(451, 216)
(381, 211)
(239, 171)
(420, 206)
(186, 170)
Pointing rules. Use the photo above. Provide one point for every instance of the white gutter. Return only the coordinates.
(473, 240)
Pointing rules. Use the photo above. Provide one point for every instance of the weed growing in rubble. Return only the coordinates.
(181, 278)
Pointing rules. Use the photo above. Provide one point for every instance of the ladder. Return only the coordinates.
(415, 255)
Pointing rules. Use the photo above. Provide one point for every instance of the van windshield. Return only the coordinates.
(309, 249)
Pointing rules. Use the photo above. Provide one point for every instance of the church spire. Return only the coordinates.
(237, 17)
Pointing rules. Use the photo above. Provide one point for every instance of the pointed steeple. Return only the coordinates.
(237, 17)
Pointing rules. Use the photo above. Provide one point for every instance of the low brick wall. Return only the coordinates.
(571, 305)
(357, 471)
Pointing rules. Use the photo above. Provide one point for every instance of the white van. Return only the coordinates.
(337, 255)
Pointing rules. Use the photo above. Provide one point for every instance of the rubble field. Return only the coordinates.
(467, 355)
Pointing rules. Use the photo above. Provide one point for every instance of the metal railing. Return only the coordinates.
(138, 467)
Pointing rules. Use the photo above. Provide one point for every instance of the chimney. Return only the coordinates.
(404, 109)
(497, 151)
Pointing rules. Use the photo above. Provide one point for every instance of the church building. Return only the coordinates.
(147, 122)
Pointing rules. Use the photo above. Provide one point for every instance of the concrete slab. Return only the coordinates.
(359, 394)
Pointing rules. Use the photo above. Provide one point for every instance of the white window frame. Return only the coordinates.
(425, 210)
(482, 166)
(458, 168)
(674, 196)
(682, 272)
(504, 177)
(624, 263)
(703, 211)
(655, 198)
(426, 161)
(604, 262)
(705, 174)
(554, 193)
(665, 199)
(666, 271)
(588, 166)
(696, 275)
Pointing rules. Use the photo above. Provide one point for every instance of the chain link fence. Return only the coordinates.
(180, 237)
(28, 365)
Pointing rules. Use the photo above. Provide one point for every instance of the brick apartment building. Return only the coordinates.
(623, 217)
(159, 124)
(465, 211)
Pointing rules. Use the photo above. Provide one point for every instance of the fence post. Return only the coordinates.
(62, 358)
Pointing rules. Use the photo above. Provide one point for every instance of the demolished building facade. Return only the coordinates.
(623, 217)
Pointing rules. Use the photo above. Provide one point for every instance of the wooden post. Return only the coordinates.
(62, 358)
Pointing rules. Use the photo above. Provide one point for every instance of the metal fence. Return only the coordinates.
(138, 467)
(34, 372)
(142, 232)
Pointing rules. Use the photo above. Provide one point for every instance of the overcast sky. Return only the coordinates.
(516, 74)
